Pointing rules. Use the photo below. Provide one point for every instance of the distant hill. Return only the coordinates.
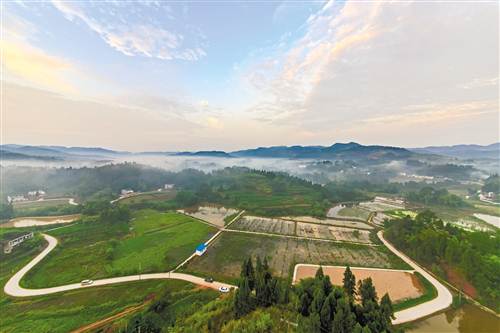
(18, 152)
(211, 153)
(463, 151)
(349, 150)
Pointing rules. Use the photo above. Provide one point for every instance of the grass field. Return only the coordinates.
(153, 242)
(148, 197)
(46, 207)
(354, 212)
(223, 259)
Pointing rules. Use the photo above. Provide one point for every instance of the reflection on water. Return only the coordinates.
(466, 319)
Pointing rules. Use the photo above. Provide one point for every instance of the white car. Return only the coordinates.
(224, 289)
(86, 282)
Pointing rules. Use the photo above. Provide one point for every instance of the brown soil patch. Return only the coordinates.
(459, 281)
(399, 285)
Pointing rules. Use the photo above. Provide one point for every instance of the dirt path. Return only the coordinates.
(441, 302)
(108, 320)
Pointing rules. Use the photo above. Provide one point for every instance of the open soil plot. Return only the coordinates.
(354, 212)
(334, 233)
(379, 218)
(224, 257)
(21, 222)
(264, 224)
(330, 221)
(212, 214)
(378, 206)
(400, 285)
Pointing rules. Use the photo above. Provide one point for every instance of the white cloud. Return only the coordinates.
(123, 29)
(380, 58)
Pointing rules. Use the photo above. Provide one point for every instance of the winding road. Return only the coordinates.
(13, 288)
(442, 301)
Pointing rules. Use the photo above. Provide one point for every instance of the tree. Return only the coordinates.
(343, 320)
(242, 299)
(367, 291)
(248, 272)
(387, 311)
(326, 316)
(304, 304)
(318, 300)
(349, 283)
(319, 273)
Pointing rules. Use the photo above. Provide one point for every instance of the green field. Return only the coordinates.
(44, 208)
(148, 197)
(153, 242)
(223, 259)
(354, 212)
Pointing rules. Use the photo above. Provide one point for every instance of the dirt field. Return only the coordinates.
(223, 259)
(335, 233)
(378, 206)
(21, 222)
(379, 218)
(330, 221)
(400, 285)
(212, 214)
(263, 224)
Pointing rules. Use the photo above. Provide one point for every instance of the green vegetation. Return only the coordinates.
(229, 218)
(222, 260)
(323, 307)
(449, 251)
(492, 184)
(429, 293)
(71, 310)
(354, 212)
(431, 196)
(164, 311)
(98, 248)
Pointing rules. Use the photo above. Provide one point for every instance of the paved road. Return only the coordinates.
(14, 289)
(441, 302)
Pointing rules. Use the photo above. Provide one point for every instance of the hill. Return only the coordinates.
(463, 151)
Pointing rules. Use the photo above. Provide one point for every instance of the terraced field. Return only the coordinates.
(333, 233)
(213, 214)
(264, 224)
(330, 221)
(223, 259)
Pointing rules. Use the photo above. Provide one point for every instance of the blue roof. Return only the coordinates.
(201, 247)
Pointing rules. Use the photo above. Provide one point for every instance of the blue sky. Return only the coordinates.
(227, 75)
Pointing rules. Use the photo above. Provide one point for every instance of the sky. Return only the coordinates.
(227, 75)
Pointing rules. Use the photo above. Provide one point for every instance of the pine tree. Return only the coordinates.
(367, 291)
(343, 319)
(349, 283)
(248, 272)
(319, 273)
(242, 299)
(326, 285)
(305, 303)
(326, 316)
(386, 311)
(318, 300)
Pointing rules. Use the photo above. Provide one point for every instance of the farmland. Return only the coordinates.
(223, 259)
(213, 214)
(333, 233)
(147, 197)
(330, 221)
(264, 224)
(47, 207)
(303, 229)
(400, 285)
(153, 242)
(354, 212)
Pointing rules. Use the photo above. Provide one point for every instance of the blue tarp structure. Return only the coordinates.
(201, 247)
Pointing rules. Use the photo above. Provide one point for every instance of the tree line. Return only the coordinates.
(447, 249)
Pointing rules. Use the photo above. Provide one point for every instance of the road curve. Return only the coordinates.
(13, 288)
(441, 302)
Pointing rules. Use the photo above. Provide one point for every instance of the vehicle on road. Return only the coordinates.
(86, 282)
(224, 289)
(209, 279)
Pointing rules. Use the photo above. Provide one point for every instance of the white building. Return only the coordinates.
(168, 186)
(127, 191)
(17, 241)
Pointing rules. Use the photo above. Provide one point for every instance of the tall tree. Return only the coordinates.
(242, 299)
(349, 283)
(367, 291)
(386, 311)
(319, 273)
(343, 319)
